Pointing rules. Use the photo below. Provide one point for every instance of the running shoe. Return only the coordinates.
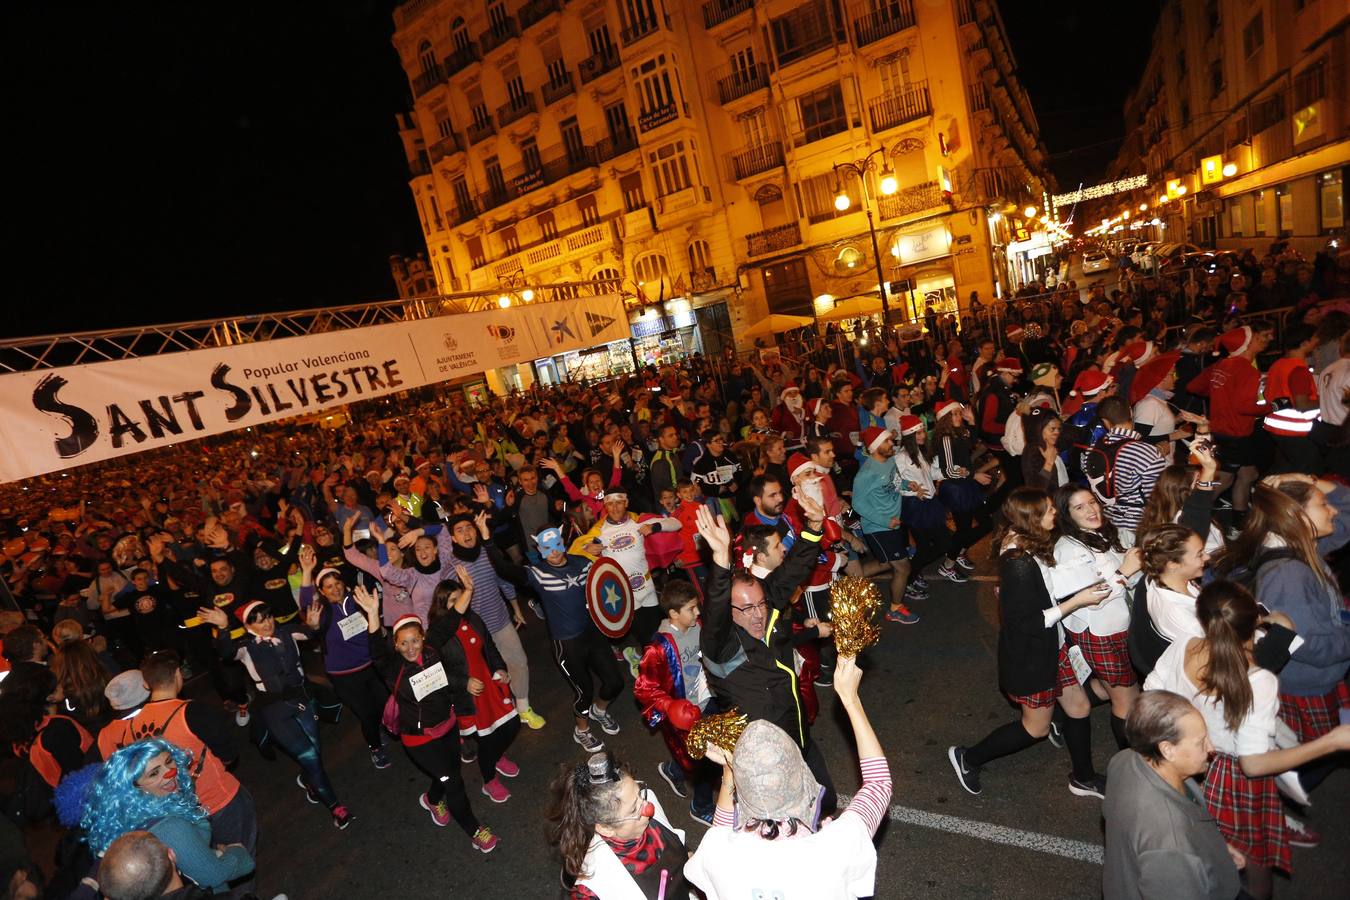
(673, 778)
(440, 813)
(309, 791)
(953, 573)
(468, 751)
(634, 657)
(825, 678)
(342, 817)
(969, 778)
(588, 741)
(1056, 735)
(484, 841)
(964, 562)
(703, 818)
(495, 791)
(902, 615)
(379, 759)
(507, 768)
(1300, 835)
(919, 582)
(914, 595)
(604, 720)
(532, 719)
(241, 716)
(537, 609)
(1092, 787)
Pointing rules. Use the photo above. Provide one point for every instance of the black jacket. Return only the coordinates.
(758, 676)
(1028, 652)
(442, 647)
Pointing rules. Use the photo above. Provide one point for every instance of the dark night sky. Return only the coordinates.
(178, 161)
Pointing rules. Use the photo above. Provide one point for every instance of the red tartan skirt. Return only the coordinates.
(1312, 717)
(1065, 677)
(1248, 812)
(1109, 656)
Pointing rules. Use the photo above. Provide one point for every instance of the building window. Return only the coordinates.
(1215, 78)
(459, 35)
(630, 186)
(1254, 35)
(426, 55)
(656, 93)
(477, 258)
(608, 273)
(515, 92)
(1235, 216)
(1259, 212)
(1267, 113)
(823, 113)
(616, 119)
(481, 117)
(463, 199)
(700, 256)
(590, 213)
(435, 211)
(894, 74)
(557, 72)
(1310, 85)
(496, 15)
(496, 182)
(650, 268)
(444, 127)
(510, 240)
(599, 40)
(816, 196)
(1284, 209)
(787, 287)
(529, 155)
(548, 226)
(1331, 200)
(670, 168)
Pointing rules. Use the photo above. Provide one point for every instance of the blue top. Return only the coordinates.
(562, 590)
(875, 498)
(339, 656)
(196, 858)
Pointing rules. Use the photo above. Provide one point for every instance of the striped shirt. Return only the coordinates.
(490, 592)
(1136, 471)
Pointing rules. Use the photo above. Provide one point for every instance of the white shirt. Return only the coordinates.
(1076, 567)
(1157, 415)
(922, 472)
(1331, 387)
(1173, 614)
(625, 544)
(1255, 735)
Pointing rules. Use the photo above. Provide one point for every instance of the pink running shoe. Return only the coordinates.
(440, 814)
(496, 791)
(484, 841)
(507, 768)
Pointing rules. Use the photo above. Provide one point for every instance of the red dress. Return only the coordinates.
(494, 706)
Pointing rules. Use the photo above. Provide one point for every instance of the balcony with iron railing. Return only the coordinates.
(660, 115)
(772, 240)
(735, 83)
(597, 64)
(480, 131)
(446, 146)
(536, 11)
(641, 28)
(965, 12)
(461, 59)
(614, 146)
(754, 160)
(428, 79)
(419, 167)
(915, 199)
(807, 43)
(501, 31)
(557, 88)
(516, 108)
(899, 108)
(715, 12)
(873, 23)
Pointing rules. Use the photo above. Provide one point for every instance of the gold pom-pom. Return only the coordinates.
(723, 729)
(854, 603)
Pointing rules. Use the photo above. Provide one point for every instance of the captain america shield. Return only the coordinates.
(609, 598)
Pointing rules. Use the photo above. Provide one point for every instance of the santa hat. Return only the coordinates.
(947, 407)
(420, 463)
(1088, 384)
(247, 609)
(1236, 341)
(910, 425)
(1011, 365)
(1291, 422)
(324, 573)
(791, 386)
(406, 619)
(796, 462)
(899, 371)
(1015, 333)
(1138, 352)
(873, 437)
(1151, 374)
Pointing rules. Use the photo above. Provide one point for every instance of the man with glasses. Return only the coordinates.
(747, 633)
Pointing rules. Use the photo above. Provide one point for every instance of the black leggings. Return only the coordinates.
(971, 525)
(930, 545)
(579, 657)
(492, 747)
(440, 760)
(364, 694)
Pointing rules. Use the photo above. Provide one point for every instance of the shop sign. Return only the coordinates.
(922, 245)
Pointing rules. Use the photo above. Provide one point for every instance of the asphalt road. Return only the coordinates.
(927, 686)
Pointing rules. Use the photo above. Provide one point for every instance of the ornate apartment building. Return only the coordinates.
(688, 149)
(1241, 122)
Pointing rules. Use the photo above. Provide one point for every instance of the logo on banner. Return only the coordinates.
(449, 340)
(503, 333)
(598, 322)
(561, 328)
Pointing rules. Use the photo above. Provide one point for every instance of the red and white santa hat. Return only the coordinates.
(1015, 333)
(420, 463)
(1137, 352)
(1010, 364)
(1291, 422)
(406, 619)
(792, 386)
(1088, 384)
(910, 425)
(1236, 341)
(798, 463)
(247, 609)
(947, 407)
(873, 437)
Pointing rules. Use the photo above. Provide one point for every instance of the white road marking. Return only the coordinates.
(996, 834)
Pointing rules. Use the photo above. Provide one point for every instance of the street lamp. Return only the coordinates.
(888, 186)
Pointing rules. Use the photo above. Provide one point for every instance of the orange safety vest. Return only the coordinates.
(1277, 379)
(166, 719)
(42, 759)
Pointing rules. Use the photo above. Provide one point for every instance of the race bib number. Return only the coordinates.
(1081, 670)
(352, 625)
(427, 681)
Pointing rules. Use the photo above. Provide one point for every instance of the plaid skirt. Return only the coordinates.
(1109, 656)
(1064, 678)
(1312, 717)
(1248, 812)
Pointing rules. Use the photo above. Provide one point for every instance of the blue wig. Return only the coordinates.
(115, 805)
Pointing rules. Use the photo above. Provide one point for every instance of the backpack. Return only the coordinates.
(1099, 465)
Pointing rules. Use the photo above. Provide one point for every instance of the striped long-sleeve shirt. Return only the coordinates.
(1137, 467)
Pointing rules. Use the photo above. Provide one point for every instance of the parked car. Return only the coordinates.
(1096, 261)
(1143, 255)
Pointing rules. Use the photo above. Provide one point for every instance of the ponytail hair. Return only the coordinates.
(576, 804)
(1228, 614)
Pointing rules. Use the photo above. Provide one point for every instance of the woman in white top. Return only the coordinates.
(921, 511)
(1240, 703)
(1090, 549)
(1174, 559)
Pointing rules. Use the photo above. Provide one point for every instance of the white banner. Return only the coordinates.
(58, 418)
